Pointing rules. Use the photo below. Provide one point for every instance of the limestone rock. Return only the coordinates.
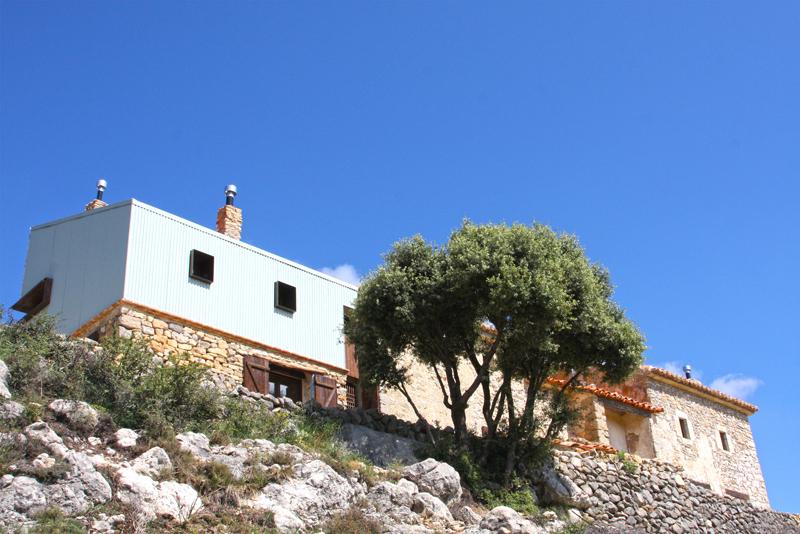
(4, 391)
(427, 505)
(558, 489)
(314, 493)
(380, 447)
(125, 438)
(151, 499)
(197, 444)
(437, 478)
(503, 519)
(467, 515)
(152, 462)
(77, 414)
(10, 410)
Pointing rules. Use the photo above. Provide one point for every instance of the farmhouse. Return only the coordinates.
(275, 326)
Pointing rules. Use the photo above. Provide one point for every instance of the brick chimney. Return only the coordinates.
(229, 217)
(98, 202)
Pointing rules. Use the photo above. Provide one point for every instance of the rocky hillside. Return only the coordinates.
(70, 465)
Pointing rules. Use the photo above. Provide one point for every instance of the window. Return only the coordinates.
(285, 297)
(286, 383)
(723, 439)
(201, 266)
(684, 428)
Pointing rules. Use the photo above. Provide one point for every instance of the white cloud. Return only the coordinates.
(345, 272)
(738, 386)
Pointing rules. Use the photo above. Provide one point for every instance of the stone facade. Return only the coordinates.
(424, 388)
(702, 454)
(223, 354)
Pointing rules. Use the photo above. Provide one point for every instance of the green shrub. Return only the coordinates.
(520, 499)
(628, 465)
(52, 521)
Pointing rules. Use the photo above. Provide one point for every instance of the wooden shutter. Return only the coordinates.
(256, 374)
(325, 391)
(370, 398)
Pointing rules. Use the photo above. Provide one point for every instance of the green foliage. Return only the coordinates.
(520, 499)
(549, 310)
(52, 521)
(119, 378)
(573, 528)
(628, 465)
(352, 521)
(219, 519)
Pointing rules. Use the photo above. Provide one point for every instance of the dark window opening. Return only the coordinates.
(35, 300)
(201, 266)
(723, 438)
(94, 336)
(684, 428)
(285, 297)
(352, 394)
(286, 383)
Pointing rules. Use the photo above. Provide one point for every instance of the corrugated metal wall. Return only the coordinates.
(85, 256)
(241, 299)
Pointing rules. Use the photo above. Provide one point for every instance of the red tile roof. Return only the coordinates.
(698, 388)
(608, 394)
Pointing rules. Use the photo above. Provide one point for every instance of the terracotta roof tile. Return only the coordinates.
(697, 386)
(613, 395)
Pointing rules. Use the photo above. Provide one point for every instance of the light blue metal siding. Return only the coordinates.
(85, 257)
(241, 298)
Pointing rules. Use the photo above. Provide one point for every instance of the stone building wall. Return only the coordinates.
(702, 455)
(424, 388)
(655, 496)
(168, 337)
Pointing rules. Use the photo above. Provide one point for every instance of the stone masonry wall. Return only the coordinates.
(655, 496)
(424, 388)
(223, 355)
(702, 455)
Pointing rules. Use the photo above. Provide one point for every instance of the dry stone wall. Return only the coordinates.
(655, 496)
(224, 355)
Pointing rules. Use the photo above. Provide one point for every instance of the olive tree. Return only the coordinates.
(519, 303)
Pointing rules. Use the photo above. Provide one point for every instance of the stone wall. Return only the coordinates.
(655, 496)
(223, 354)
(702, 455)
(424, 388)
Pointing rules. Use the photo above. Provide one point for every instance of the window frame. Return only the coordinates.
(724, 440)
(283, 306)
(686, 430)
(198, 255)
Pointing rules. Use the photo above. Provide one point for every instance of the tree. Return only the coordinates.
(519, 302)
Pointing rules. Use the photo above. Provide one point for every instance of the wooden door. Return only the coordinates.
(255, 372)
(325, 391)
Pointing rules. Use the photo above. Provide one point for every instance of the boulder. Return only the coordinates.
(467, 515)
(125, 438)
(78, 415)
(152, 462)
(508, 521)
(10, 410)
(313, 494)
(558, 489)
(432, 507)
(437, 478)
(151, 499)
(197, 444)
(381, 448)
(4, 391)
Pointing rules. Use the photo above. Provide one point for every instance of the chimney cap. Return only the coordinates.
(230, 190)
(101, 185)
(687, 370)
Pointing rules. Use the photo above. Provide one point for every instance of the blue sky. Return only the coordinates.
(665, 135)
